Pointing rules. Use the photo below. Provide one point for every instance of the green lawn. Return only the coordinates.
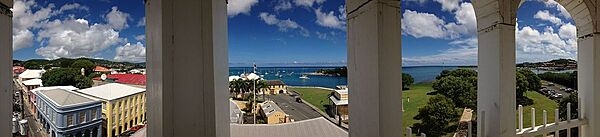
(418, 98)
(315, 96)
(540, 103)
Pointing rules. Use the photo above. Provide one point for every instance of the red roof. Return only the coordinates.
(134, 79)
(101, 69)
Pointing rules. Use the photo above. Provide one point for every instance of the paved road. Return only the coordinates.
(35, 128)
(556, 87)
(297, 111)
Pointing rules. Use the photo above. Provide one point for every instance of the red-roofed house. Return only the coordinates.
(18, 70)
(133, 79)
(102, 69)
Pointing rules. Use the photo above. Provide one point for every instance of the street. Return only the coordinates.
(297, 111)
(35, 128)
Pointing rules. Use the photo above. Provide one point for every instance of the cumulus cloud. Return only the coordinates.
(25, 20)
(330, 19)
(308, 3)
(117, 19)
(413, 23)
(535, 45)
(131, 53)
(236, 7)
(73, 38)
(546, 16)
(140, 37)
(462, 52)
(449, 5)
(142, 22)
(560, 8)
(283, 5)
(283, 25)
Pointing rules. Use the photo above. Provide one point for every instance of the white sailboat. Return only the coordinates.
(304, 77)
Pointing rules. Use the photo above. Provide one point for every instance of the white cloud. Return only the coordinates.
(75, 38)
(283, 25)
(449, 5)
(545, 15)
(140, 37)
(117, 19)
(534, 45)
(560, 8)
(462, 52)
(131, 53)
(142, 22)
(72, 6)
(283, 5)
(413, 24)
(567, 31)
(330, 19)
(307, 3)
(236, 7)
(25, 20)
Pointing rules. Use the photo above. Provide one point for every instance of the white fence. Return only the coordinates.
(544, 129)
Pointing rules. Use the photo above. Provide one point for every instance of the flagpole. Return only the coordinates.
(254, 95)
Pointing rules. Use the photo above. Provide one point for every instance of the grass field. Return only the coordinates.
(315, 96)
(540, 103)
(418, 98)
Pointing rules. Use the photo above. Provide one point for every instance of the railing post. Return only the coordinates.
(408, 132)
(470, 129)
(545, 118)
(569, 118)
(520, 117)
(556, 121)
(423, 135)
(532, 118)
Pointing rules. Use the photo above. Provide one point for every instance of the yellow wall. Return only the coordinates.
(277, 117)
(124, 110)
(273, 90)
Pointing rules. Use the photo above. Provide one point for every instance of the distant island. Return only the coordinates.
(66, 62)
(340, 71)
(552, 65)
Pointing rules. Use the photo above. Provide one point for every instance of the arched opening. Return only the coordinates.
(546, 69)
(439, 67)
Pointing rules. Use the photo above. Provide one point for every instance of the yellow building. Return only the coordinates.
(123, 106)
(272, 113)
(275, 87)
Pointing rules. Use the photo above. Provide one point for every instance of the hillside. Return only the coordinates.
(551, 63)
(66, 62)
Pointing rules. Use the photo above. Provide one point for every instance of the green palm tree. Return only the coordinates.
(261, 85)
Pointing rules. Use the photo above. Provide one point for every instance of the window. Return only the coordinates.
(70, 120)
(81, 117)
(93, 114)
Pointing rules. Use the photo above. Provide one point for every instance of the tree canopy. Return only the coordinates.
(66, 77)
(407, 81)
(89, 66)
(462, 91)
(436, 116)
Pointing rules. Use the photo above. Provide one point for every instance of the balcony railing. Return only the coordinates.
(548, 128)
(533, 130)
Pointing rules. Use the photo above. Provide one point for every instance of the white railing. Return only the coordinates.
(547, 128)
(409, 132)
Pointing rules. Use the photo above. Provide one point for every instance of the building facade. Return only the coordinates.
(123, 106)
(339, 103)
(31, 97)
(65, 113)
(272, 113)
(275, 87)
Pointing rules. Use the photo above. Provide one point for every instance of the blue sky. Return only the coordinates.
(285, 32)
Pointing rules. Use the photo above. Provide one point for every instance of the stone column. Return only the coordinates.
(496, 91)
(374, 65)
(6, 92)
(187, 68)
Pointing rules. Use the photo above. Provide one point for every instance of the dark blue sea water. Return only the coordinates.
(291, 75)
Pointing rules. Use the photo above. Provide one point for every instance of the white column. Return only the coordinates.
(496, 91)
(588, 67)
(5, 73)
(187, 68)
(374, 64)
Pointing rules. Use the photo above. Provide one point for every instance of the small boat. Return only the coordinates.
(304, 77)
